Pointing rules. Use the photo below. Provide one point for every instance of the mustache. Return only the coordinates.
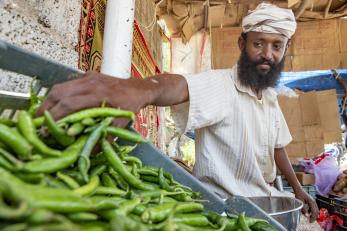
(265, 61)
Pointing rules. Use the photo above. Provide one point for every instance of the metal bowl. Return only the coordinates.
(285, 210)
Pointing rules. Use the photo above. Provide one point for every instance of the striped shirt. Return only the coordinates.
(235, 133)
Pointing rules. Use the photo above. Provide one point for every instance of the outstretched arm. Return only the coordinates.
(94, 88)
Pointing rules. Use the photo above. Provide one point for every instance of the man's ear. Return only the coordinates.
(242, 43)
(288, 45)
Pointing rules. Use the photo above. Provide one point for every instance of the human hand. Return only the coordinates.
(310, 208)
(91, 90)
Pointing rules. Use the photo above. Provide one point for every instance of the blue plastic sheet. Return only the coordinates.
(313, 80)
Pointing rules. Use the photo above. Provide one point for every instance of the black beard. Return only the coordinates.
(249, 76)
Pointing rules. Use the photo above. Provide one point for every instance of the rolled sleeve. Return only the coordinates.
(206, 106)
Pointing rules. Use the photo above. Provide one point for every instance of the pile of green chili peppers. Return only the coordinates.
(52, 177)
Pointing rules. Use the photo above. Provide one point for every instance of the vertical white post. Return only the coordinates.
(118, 38)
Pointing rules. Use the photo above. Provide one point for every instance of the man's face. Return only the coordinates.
(262, 59)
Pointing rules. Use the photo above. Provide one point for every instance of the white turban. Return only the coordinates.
(268, 18)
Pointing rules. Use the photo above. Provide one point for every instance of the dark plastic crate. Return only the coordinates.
(335, 205)
(310, 189)
(340, 228)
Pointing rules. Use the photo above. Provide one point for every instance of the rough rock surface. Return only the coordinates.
(46, 27)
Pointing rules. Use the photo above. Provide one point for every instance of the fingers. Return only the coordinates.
(305, 209)
(72, 104)
(65, 90)
(313, 209)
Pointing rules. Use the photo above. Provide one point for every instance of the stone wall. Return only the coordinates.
(46, 27)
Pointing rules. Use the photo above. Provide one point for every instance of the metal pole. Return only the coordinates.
(118, 38)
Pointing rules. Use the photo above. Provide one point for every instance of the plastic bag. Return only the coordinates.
(328, 222)
(326, 171)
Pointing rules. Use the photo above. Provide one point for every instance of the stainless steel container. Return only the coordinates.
(285, 210)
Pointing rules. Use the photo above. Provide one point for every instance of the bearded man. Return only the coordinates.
(240, 130)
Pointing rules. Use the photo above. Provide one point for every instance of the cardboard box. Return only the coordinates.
(297, 150)
(225, 50)
(291, 110)
(305, 179)
(330, 116)
(298, 134)
(314, 37)
(314, 148)
(313, 132)
(309, 108)
(313, 120)
(343, 35)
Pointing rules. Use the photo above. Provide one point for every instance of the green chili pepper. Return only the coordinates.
(15, 141)
(6, 164)
(16, 227)
(32, 178)
(53, 164)
(101, 190)
(96, 112)
(147, 178)
(69, 181)
(162, 181)
(119, 180)
(67, 226)
(28, 130)
(57, 132)
(94, 226)
(35, 100)
(124, 208)
(122, 222)
(125, 134)
(154, 171)
(118, 166)
(125, 150)
(74, 174)
(53, 182)
(157, 213)
(75, 129)
(108, 181)
(90, 128)
(147, 171)
(262, 226)
(17, 163)
(127, 206)
(39, 216)
(89, 188)
(9, 213)
(242, 222)
(154, 193)
(39, 121)
(98, 170)
(191, 219)
(7, 122)
(88, 121)
(83, 216)
(84, 161)
(133, 159)
(163, 199)
(98, 159)
(139, 209)
(53, 199)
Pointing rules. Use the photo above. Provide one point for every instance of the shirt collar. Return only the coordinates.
(268, 94)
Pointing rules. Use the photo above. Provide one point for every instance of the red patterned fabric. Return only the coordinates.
(90, 57)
